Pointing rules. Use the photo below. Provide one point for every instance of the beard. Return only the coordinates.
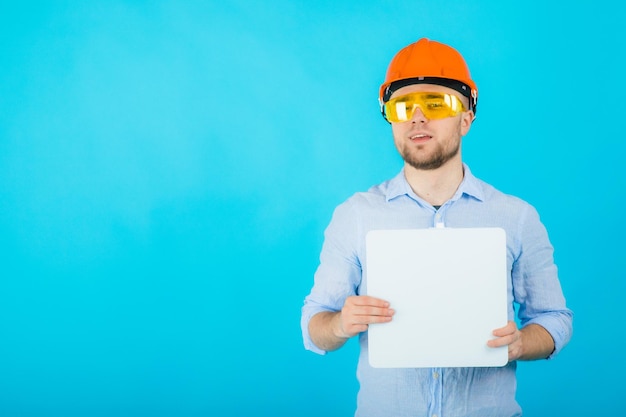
(429, 162)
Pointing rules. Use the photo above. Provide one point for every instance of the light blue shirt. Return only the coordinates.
(533, 286)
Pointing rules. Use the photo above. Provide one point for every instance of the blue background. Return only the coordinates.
(167, 170)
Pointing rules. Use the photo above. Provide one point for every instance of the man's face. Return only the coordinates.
(429, 144)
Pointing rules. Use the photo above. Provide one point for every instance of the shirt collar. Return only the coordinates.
(470, 186)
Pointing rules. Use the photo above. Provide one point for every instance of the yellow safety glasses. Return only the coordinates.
(433, 105)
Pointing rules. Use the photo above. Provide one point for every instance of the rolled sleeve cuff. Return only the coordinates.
(559, 327)
(307, 313)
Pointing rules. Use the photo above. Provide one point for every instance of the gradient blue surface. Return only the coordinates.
(167, 170)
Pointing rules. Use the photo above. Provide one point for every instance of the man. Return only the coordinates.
(430, 101)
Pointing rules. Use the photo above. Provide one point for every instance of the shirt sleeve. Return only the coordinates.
(338, 275)
(536, 285)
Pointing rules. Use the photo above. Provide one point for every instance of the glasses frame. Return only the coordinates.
(453, 103)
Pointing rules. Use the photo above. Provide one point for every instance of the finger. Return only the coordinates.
(496, 342)
(367, 306)
(373, 311)
(510, 328)
(352, 324)
(500, 341)
(367, 315)
(504, 340)
(366, 320)
(366, 300)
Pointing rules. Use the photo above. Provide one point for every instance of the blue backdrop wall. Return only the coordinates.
(167, 170)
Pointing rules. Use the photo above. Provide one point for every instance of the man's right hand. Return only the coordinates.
(330, 330)
(359, 312)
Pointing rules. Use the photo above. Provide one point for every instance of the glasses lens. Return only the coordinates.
(432, 105)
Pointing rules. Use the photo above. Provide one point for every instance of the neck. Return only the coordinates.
(435, 186)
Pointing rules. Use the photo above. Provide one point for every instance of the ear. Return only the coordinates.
(467, 118)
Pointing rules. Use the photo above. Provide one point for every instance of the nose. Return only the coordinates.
(418, 116)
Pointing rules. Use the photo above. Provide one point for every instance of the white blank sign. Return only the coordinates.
(448, 287)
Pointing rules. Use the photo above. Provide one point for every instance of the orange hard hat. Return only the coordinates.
(429, 62)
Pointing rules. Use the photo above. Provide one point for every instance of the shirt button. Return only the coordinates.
(436, 376)
(434, 415)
